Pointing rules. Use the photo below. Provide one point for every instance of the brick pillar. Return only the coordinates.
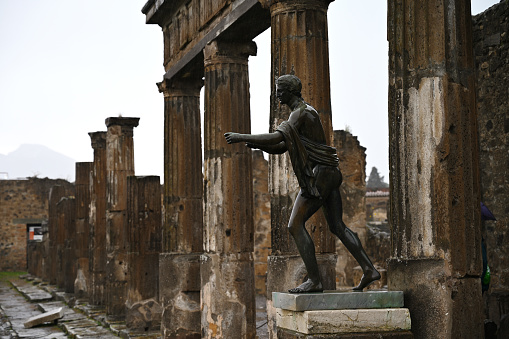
(97, 220)
(434, 167)
(67, 224)
(182, 242)
(227, 273)
(56, 193)
(119, 165)
(143, 248)
(299, 46)
(83, 180)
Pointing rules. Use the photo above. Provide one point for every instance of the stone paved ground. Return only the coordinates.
(21, 299)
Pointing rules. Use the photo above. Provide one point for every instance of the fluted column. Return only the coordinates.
(82, 184)
(56, 193)
(97, 220)
(119, 165)
(227, 272)
(182, 233)
(434, 167)
(299, 44)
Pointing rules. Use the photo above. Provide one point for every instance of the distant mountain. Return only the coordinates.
(37, 160)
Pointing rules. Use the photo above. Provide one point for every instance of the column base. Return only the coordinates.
(179, 295)
(227, 296)
(441, 305)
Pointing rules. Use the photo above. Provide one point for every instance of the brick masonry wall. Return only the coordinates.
(491, 46)
(21, 201)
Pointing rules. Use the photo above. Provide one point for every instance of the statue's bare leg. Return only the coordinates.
(333, 211)
(302, 210)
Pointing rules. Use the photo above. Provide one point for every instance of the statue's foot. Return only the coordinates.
(307, 287)
(367, 278)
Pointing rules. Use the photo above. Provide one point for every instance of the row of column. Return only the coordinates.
(105, 236)
(434, 172)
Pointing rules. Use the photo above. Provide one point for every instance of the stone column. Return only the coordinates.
(83, 180)
(67, 239)
(119, 165)
(56, 193)
(182, 242)
(97, 220)
(143, 248)
(299, 46)
(434, 167)
(227, 272)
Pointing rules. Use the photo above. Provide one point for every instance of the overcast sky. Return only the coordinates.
(66, 65)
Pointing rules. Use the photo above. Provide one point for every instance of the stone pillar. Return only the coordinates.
(434, 167)
(97, 220)
(56, 193)
(119, 165)
(83, 180)
(143, 248)
(227, 272)
(299, 46)
(67, 239)
(182, 242)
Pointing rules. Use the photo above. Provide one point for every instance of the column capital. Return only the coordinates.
(277, 6)
(123, 122)
(185, 86)
(218, 50)
(98, 139)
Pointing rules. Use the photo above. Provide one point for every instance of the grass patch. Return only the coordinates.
(7, 276)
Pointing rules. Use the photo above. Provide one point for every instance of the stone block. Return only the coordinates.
(287, 334)
(144, 315)
(344, 321)
(44, 318)
(333, 300)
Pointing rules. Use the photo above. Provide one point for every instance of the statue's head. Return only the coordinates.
(289, 83)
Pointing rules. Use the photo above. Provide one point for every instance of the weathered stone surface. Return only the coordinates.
(97, 221)
(227, 272)
(435, 191)
(144, 315)
(345, 321)
(182, 234)
(287, 334)
(227, 296)
(331, 300)
(119, 165)
(491, 47)
(44, 318)
(180, 294)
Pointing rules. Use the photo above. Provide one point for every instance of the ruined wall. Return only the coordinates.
(20, 202)
(352, 163)
(491, 46)
(261, 211)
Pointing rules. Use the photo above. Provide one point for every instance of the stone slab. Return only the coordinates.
(333, 300)
(45, 317)
(344, 321)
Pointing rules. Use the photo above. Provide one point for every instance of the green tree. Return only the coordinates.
(375, 181)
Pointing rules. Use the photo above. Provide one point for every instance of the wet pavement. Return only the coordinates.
(21, 299)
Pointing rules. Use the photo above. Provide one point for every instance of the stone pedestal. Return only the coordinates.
(227, 272)
(342, 315)
(182, 234)
(119, 165)
(97, 221)
(434, 167)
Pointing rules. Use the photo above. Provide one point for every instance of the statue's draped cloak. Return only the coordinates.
(303, 154)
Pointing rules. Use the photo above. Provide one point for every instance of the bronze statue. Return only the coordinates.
(316, 166)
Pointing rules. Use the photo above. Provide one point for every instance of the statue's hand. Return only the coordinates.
(232, 137)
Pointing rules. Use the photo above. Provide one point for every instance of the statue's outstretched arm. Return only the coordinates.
(279, 148)
(265, 139)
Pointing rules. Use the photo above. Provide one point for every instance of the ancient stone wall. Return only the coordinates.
(22, 202)
(261, 215)
(491, 47)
